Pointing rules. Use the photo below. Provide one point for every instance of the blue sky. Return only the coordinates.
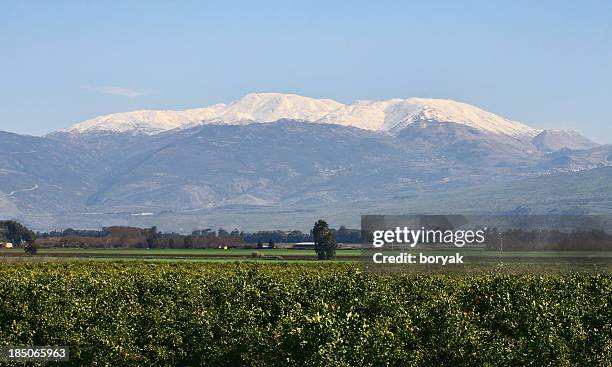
(545, 63)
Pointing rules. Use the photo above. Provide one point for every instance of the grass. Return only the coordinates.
(164, 251)
(279, 255)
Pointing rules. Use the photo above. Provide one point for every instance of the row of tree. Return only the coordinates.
(151, 237)
(548, 240)
(342, 235)
(325, 238)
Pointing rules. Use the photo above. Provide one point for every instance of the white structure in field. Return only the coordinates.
(303, 246)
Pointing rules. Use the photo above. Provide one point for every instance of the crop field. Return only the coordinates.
(324, 314)
(284, 254)
(184, 254)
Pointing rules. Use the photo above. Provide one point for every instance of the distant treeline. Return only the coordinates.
(549, 240)
(74, 232)
(131, 237)
(342, 235)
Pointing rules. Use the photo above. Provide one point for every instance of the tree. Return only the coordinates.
(325, 242)
(17, 232)
(152, 236)
(188, 242)
(259, 244)
(270, 244)
(318, 233)
(31, 248)
(330, 245)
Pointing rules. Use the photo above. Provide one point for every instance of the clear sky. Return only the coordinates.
(545, 63)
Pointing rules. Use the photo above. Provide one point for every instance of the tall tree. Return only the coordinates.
(152, 236)
(325, 241)
(188, 242)
(330, 245)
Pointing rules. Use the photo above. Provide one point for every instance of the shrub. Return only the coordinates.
(328, 314)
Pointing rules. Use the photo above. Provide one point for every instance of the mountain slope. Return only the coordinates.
(219, 172)
(552, 140)
(42, 176)
(581, 192)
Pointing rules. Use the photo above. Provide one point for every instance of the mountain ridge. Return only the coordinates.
(389, 115)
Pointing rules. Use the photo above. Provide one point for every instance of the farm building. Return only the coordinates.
(6, 245)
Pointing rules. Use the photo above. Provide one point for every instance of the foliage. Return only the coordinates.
(16, 232)
(152, 237)
(133, 237)
(325, 241)
(31, 248)
(303, 315)
(189, 242)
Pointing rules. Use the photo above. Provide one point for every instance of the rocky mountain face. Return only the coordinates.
(397, 155)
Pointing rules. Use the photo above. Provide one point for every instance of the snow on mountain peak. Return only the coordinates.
(394, 114)
(269, 107)
(446, 110)
(389, 115)
(146, 121)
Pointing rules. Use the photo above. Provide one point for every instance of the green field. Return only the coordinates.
(283, 252)
(187, 254)
(329, 314)
(178, 252)
(477, 261)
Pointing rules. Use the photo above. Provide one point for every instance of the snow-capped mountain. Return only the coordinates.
(389, 116)
(147, 122)
(282, 153)
(395, 114)
(254, 107)
(269, 107)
